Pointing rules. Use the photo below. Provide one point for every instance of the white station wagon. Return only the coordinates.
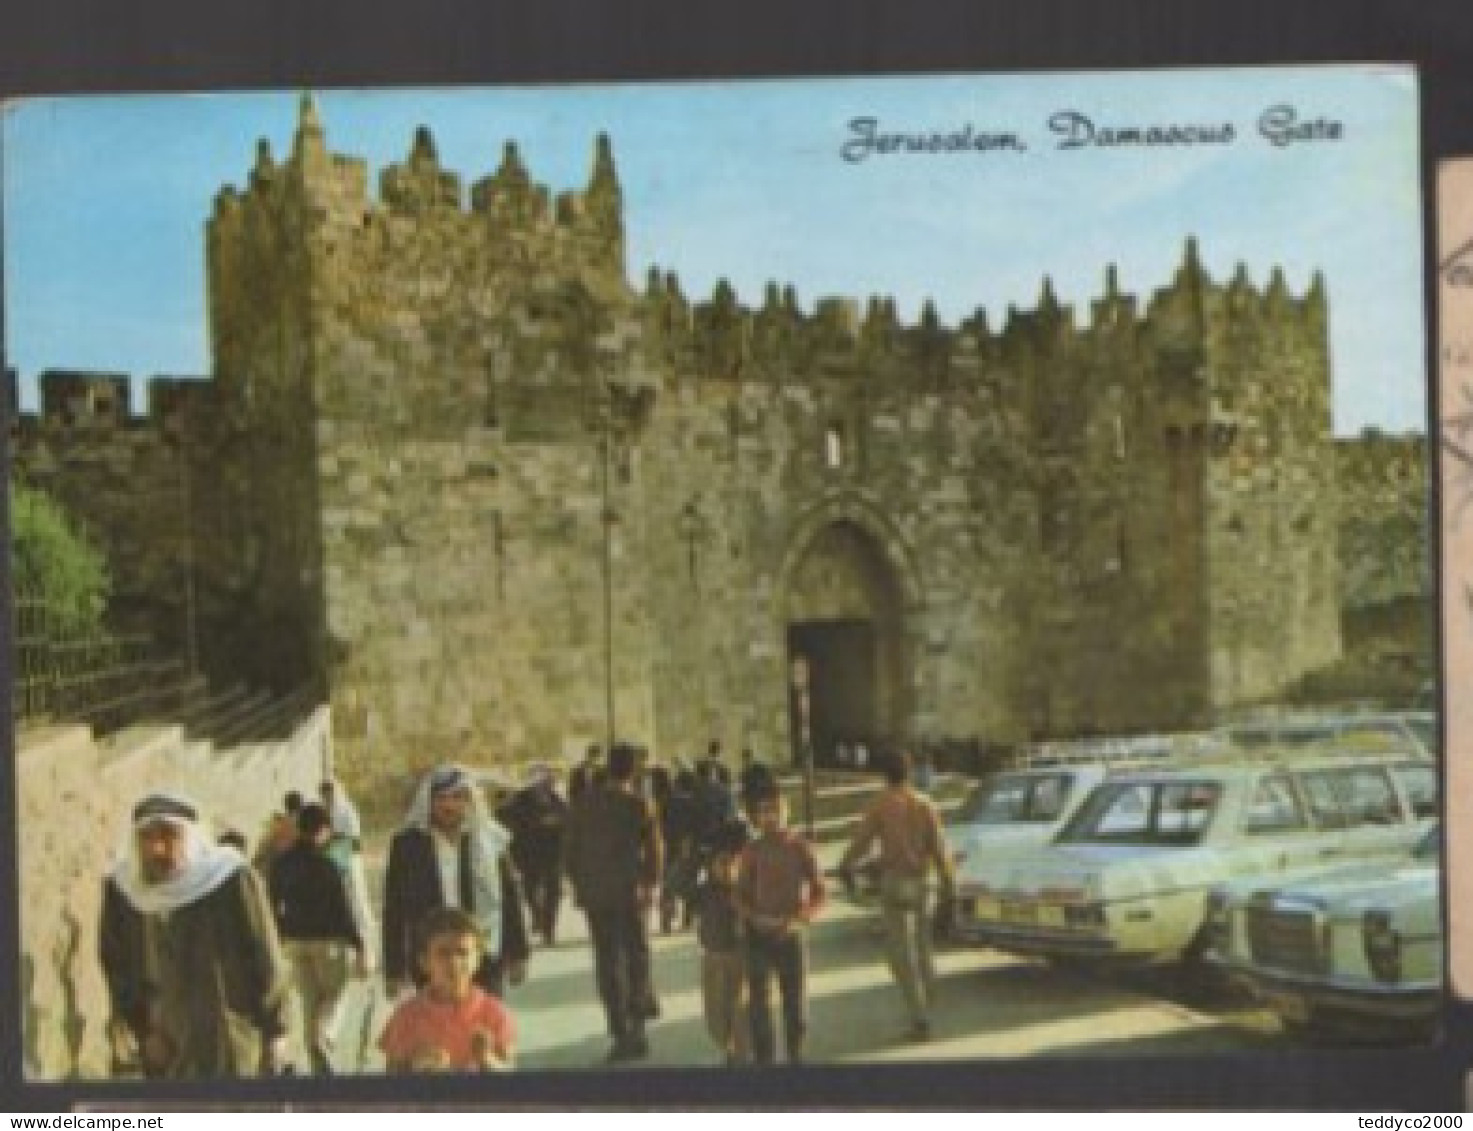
(1128, 876)
(1355, 949)
(1410, 732)
(1019, 809)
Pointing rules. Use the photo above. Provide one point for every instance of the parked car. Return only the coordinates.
(1127, 877)
(1412, 732)
(1355, 950)
(1019, 809)
(1408, 730)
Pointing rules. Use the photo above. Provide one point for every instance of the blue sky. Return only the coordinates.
(105, 199)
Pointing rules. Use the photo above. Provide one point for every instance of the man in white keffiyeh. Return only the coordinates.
(195, 971)
(452, 852)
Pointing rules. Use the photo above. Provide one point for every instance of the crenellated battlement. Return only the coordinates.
(786, 339)
(448, 445)
(94, 403)
(511, 222)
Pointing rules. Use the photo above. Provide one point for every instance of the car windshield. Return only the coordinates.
(1012, 798)
(1174, 813)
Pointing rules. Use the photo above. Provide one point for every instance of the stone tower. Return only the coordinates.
(503, 504)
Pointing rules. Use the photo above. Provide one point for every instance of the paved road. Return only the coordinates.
(989, 1006)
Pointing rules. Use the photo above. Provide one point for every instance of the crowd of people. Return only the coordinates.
(210, 958)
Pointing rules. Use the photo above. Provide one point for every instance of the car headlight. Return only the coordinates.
(1382, 945)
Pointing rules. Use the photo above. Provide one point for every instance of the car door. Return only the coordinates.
(1360, 810)
(1275, 832)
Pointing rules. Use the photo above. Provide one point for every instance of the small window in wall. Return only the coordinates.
(833, 446)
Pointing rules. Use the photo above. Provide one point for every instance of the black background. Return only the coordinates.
(100, 46)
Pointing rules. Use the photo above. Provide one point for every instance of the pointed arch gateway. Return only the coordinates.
(849, 594)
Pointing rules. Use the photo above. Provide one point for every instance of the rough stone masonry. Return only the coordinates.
(497, 502)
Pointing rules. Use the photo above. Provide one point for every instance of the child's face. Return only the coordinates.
(767, 814)
(449, 961)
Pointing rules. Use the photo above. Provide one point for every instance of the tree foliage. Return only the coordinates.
(53, 561)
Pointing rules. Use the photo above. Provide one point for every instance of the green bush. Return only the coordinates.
(51, 560)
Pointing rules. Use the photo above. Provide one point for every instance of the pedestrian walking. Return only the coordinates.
(280, 833)
(753, 771)
(536, 817)
(342, 813)
(613, 856)
(723, 963)
(345, 847)
(309, 895)
(678, 822)
(197, 981)
(586, 773)
(451, 1024)
(904, 824)
(452, 853)
(715, 804)
(779, 892)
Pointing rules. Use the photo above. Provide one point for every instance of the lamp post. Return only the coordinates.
(800, 675)
(622, 412)
(607, 518)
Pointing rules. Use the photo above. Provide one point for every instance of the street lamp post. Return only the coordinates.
(801, 679)
(607, 519)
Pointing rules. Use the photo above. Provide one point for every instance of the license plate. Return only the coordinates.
(1291, 1007)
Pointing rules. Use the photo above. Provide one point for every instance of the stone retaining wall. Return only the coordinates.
(73, 797)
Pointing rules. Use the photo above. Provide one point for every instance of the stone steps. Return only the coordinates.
(257, 720)
(211, 707)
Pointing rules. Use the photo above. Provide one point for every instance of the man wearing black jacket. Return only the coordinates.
(452, 853)
(310, 899)
(613, 856)
(536, 815)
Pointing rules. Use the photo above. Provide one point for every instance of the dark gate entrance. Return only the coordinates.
(842, 672)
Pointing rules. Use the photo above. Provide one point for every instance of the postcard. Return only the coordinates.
(1454, 200)
(873, 571)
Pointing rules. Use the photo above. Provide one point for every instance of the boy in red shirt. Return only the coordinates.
(779, 891)
(451, 1025)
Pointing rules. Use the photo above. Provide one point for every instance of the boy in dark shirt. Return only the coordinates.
(718, 929)
(779, 892)
(317, 929)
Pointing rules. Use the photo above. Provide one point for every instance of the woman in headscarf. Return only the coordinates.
(452, 853)
(345, 849)
(196, 975)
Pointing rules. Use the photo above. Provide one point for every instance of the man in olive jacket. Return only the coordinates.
(612, 854)
(198, 982)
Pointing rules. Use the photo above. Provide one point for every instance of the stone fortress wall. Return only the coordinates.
(430, 426)
(1384, 528)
